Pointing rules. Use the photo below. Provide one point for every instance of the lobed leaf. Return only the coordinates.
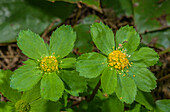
(5, 107)
(112, 104)
(145, 99)
(32, 94)
(25, 77)
(162, 105)
(126, 89)
(42, 105)
(5, 89)
(32, 44)
(144, 79)
(75, 83)
(67, 63)
(52, 87)
(91, 65)
(145, 55)
(62, 41)
(128, 37)
(109, 80)
(103, 37)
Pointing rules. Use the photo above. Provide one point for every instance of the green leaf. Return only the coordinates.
(93, 82)
(126, 89)
(112, 104)
(91, 65)
(151, 15)
(32, 44)
(75, 83)
(67, 63)
(32, 94)
(128, 37)
(4, 107)
(157, 39)
(109, 80)
(135, 109)
(25, 77)
(35, 15)
(103, 37)
(146, 55)
(42, 105)
(90, 19)
(162, 105)
(83, 41)
(5, 89)
(120, 7)
(62, 41)
(52, 87)
(145, 99)
(144, 79)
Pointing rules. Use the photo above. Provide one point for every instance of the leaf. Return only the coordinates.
(32, 94)
(90, 19)
(52, 87)
(95, 4)
(91, 65)
(120, 7)
(4, 107)
(145, 99)
(67, 63)
(35, 15)
(42, 105)
(126, 89)
(158, 39)
(75, 83)
(144, 79)
(112, 104)
(62, 41)
(146, 55)
(135, 109)
(162, 105)
(128, 37)
(92, 82)
(92, 106)
(109, 80)
(103, 37)
(25, 77)
(5, 89)
(32, 44)
(151, 15)
(83, 41)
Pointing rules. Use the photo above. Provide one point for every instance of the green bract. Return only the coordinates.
(122, 68)
(46, 63)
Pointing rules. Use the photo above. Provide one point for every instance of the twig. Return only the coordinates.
(156, 30)
(164, 78)
(164, 51)
(50, 27)
(94, 91)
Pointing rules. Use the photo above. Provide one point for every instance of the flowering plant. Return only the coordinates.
(47, 64)
(122, 67)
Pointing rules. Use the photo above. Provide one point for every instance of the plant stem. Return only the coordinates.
(94, 91)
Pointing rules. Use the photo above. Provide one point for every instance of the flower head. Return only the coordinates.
(118, 59)
(49, 64)
(22, 106)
